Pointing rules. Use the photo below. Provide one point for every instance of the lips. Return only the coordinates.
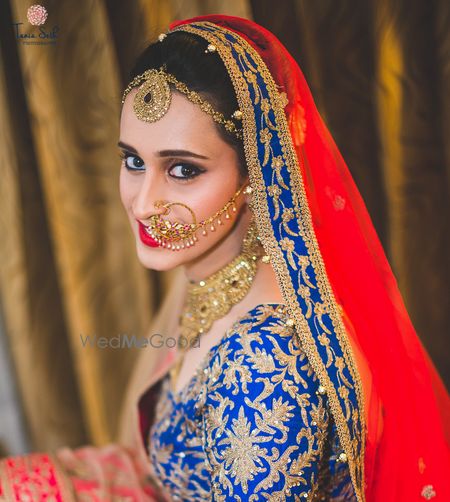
(146, 238)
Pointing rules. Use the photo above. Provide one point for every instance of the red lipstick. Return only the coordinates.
(145, 237)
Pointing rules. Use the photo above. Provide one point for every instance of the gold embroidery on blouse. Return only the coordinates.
(243, 452)
(245, 456)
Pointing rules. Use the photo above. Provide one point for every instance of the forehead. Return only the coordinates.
(184, 125)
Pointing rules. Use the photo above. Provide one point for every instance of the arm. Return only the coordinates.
(265, 422)
(99, 474)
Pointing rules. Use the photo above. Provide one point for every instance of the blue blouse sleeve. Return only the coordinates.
(265, 414)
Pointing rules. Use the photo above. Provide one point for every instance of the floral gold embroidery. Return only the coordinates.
(270, 439)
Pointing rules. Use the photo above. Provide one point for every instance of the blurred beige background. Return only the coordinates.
(380, 74)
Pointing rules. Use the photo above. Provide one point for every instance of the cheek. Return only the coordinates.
(125, 188)
(211, 202)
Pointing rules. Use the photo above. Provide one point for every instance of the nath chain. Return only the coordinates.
(176, 235)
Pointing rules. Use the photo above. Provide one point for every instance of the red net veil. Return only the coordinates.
(407, 455)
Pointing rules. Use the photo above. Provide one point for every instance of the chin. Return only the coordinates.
(160, 260)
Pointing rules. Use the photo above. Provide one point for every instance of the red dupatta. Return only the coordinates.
(408, 459)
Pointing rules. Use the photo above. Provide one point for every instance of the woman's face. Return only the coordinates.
(179, 158)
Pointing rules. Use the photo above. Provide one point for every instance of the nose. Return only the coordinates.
(151, 190)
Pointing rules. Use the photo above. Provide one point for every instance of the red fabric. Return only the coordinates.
(412, 451)
(97, 474)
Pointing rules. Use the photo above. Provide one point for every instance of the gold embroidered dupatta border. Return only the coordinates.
(351, 430)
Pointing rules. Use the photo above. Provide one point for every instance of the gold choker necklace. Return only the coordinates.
(212, 298)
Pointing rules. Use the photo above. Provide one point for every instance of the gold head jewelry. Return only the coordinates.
(176, 235)
(154, 97)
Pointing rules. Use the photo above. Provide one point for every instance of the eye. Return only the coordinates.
(184, 171)
(132, 162)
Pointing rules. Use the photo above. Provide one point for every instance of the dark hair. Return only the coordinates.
(184, 56)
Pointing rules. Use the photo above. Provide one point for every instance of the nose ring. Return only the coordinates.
(176, 235)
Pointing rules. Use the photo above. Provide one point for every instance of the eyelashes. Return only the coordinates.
(193, 171)
(126, 156)
(187, 172)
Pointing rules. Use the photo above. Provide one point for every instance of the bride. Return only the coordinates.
(287, 368)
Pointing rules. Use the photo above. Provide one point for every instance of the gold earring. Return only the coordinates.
(248, 191)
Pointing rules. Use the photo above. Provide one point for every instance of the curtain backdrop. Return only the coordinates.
(380, 73)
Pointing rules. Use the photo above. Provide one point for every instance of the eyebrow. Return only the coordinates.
(165, 153)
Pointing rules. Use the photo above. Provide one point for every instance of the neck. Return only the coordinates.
(222, 253)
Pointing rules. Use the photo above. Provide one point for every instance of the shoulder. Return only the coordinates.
(263, 350)
(265, 421)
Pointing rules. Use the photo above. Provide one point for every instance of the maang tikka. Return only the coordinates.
(154, 95)
(152, 101)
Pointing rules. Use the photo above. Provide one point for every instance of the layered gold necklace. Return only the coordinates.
(212, 298)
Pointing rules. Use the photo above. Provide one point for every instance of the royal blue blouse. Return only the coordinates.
(252, 424)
